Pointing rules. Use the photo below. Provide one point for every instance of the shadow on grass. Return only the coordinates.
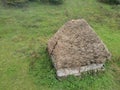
(111, 2)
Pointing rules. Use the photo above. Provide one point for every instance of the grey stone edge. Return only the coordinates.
(77, 71)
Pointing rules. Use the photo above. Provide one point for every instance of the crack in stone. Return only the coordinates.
(54, 47)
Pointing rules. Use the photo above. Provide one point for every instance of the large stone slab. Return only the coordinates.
(76, 48)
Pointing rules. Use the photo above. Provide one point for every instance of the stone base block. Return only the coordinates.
(77, 71)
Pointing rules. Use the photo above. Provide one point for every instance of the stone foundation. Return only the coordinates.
(77, 71)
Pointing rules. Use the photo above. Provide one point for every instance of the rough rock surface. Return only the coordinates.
(76, 48)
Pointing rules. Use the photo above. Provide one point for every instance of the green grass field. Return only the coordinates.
(24, 32)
